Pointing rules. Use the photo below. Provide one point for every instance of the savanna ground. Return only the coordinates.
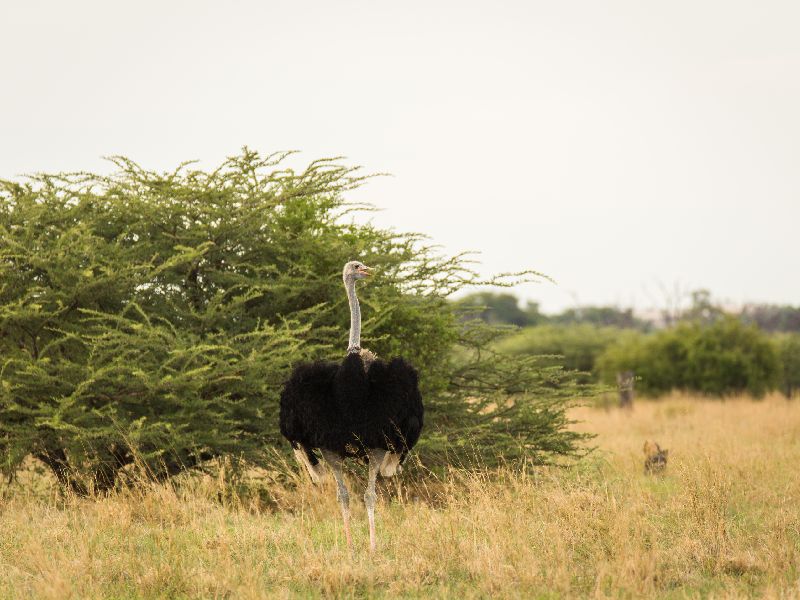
(723, 522)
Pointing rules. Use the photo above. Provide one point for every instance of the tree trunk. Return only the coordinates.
(625, 388)
(56, 459)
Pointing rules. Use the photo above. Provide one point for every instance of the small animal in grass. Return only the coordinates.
(655, 459)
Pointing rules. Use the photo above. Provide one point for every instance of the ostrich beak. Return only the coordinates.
(367, 271)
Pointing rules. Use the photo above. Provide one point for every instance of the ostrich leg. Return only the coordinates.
(342, 495)
(376, 456)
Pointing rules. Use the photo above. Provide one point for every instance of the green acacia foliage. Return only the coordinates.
(722, 358)
(151, 318)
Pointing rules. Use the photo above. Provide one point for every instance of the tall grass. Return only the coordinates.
(723, 522)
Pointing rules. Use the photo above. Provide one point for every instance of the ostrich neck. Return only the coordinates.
(355, 316)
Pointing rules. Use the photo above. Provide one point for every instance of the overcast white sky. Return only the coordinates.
(619, 147)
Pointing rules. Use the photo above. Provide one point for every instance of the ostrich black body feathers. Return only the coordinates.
(349, 409)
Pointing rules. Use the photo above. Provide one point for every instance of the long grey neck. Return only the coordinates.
(355, 316)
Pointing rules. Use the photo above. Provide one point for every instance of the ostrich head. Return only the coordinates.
(355, 270)
(352, 271)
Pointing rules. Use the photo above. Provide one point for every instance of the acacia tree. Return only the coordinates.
(153, 317)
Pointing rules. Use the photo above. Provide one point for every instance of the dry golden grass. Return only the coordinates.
(723, 522)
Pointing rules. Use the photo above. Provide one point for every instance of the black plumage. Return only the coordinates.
(350, 407)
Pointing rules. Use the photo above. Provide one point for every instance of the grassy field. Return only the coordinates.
(723, 522)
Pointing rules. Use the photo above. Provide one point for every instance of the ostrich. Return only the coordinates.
(362, 407)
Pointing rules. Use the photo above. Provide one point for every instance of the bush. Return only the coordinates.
(153, 317)
(725, 357)
(574, 347)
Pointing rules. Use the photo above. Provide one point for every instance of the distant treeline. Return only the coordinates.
(504, 308)
(703, 349)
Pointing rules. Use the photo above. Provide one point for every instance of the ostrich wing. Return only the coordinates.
(383, 405)
(395, 385)
(307, 410)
